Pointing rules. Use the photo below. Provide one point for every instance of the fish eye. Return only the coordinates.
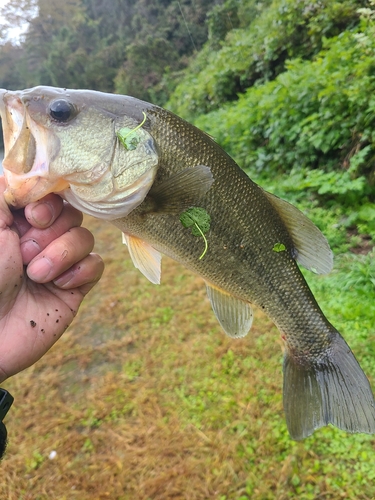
(61, 110)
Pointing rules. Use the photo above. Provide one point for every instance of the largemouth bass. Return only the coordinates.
(143, 168)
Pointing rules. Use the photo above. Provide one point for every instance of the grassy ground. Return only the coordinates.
(145, 398)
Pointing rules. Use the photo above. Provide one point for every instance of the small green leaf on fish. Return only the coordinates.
(199, 221)
(196, 217)
(279, 247)
(129, 137)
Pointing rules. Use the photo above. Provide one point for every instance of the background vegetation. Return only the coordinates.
(144, 397)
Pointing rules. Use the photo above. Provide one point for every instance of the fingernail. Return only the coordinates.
(63, 279)
(40, 269)
(29, 250)
(42, 214)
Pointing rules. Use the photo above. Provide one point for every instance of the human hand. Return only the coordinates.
(46, 269)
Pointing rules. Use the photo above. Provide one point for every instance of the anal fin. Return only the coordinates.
(234, 315)
(144, 257)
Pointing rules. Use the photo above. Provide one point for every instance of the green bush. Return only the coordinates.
(317, 115)
(258, 50)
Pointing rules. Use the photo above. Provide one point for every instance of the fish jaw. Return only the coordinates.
(27, 148)
(27, 189)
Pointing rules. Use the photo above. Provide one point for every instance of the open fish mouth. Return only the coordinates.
(26, 153)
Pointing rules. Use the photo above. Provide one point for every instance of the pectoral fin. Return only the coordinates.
(181, 190)
(234, 315)
(313, 251)
(144, 257)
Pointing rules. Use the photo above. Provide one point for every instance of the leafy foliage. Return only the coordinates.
(142, 72)
(89, 61)
(314, 122)
(257, 51)
(122, 46)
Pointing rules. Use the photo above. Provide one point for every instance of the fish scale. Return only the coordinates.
(254, 238)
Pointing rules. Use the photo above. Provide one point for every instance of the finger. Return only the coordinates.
(39, 214)
(82, 275)
(20, 224)
(60, 255)
(44, 212)
(35, 240)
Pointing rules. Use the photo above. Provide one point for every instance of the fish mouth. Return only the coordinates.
(26, 153)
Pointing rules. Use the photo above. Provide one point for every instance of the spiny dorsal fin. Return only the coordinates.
(144, 257)
(313, 251)
(235, 316)
(182, 189)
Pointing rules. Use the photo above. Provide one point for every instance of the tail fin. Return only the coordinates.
(334, 390)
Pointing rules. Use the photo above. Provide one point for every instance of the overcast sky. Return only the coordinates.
(15, 32)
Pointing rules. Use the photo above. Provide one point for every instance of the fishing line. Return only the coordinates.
(187, 27)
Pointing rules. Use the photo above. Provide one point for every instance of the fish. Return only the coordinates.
(146, 171)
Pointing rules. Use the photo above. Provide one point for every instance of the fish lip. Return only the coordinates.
(26, 156)
(22, 190)
(15, 183)
(12, 116)
(2, 103)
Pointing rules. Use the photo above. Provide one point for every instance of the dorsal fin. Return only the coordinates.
(144, 257)
(313, 250)
(235, 316)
